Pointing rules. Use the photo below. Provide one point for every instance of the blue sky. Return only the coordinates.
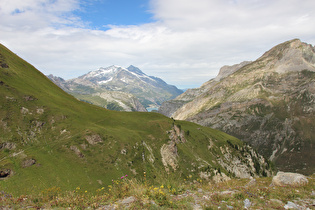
(101, 13)
(184, 42)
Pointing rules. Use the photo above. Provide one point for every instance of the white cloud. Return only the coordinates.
(186, 45)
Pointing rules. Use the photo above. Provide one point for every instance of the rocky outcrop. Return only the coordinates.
(7, 145)
(93, 139)
(289, 179)
(268, 103)
(77, 151)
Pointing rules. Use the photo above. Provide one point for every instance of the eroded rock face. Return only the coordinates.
(169, 151)
(289, 179)
(245, 166)
(169, 156)
(241, 161)
(177, 135)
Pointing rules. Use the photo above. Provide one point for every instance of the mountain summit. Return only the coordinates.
(269, 102)
(113, 73)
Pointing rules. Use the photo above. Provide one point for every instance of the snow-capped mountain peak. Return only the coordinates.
(102, 72)
(105, 75)
(131, 80)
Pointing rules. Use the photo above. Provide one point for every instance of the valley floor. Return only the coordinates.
(192, 194)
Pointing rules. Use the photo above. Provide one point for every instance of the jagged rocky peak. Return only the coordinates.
(136, 70)
(102, 72)
(227, 70)
(112, 73)
(113, 70)
(289, 56)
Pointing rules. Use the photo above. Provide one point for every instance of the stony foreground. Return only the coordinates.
(251, 193)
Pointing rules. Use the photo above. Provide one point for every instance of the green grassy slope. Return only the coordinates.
(40, 121)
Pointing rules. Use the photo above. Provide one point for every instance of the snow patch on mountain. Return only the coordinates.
(105, 81)
(140, 76)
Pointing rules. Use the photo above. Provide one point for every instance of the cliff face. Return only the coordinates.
(269, 103)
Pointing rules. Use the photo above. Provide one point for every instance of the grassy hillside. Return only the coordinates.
(50, 139)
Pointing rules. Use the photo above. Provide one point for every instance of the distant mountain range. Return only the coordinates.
(118, 88)
(269, 103)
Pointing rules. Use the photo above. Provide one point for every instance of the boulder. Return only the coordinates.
(5, 173)
(289, 179)
(28, 163)
(220, 177)
(128, 200)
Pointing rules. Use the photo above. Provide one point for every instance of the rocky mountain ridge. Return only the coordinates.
(127, 89)
(269, 103)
